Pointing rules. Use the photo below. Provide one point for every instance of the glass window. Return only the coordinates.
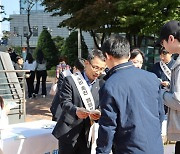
(25, 31)
(44, 27)
(35, 31)
(16, 31)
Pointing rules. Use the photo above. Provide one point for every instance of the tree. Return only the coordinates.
(3, 12)
(47, 45)
(71, 48)
(60, 43)
(5, 37)
(30, 4)
(133, 17)
(92, 16)
(144, 18)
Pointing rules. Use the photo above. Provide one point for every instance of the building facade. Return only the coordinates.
(38, 20)
(36, 8)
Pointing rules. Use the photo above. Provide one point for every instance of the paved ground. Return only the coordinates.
(38, 108)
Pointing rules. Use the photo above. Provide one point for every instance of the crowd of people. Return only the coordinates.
(36, 68)
(107, 103)
(127, 108)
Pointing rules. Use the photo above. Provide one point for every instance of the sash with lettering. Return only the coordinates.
(165, 69)
(89, 104)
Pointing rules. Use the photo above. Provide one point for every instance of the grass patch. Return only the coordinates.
(51, 73)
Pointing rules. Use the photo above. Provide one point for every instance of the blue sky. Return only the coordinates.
(10, 7)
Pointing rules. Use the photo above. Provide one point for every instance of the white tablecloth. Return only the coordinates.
(29, 138)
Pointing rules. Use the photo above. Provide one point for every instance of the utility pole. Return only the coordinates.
(18, 35)
(79, 43)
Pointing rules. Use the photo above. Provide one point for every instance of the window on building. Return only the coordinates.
(16, 31)
(44, 27)
(25, 31)
(35, 31)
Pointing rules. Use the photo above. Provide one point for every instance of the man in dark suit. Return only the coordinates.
(55, 107)
(165, 57)
(74, 123)
(168, 61)
(131, 106)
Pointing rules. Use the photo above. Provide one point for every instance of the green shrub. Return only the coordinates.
(48, 47)
(51, 73)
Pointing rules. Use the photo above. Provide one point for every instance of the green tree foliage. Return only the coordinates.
(145, 17)
(3, 12)
(48, 47)
(71, 48)
(94, 16)
(133, 17)
(59, 42)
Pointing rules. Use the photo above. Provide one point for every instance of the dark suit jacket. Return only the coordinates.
(69, 126)
(56, 99)
(159, 72)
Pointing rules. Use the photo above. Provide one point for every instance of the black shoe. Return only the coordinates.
(34, 95)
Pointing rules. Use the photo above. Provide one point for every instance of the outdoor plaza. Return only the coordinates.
(34, 136)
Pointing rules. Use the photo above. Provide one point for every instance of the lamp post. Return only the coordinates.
(79, 43)
(18, 35)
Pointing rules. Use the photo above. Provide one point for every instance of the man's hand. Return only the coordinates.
(82, 113)
(165, 83)
(95, 114)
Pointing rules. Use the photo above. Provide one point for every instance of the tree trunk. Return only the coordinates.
(102, 39)
(94, 39)
(139, 41)
(30, 31)
(129, 38)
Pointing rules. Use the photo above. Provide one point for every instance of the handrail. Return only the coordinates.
(6, 71)
(11, 89)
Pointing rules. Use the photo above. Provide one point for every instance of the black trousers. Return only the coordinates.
(41, 74)
(30, 83)
(177, 147)
(75, 147)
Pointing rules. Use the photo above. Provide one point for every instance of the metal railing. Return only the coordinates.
(12, 89)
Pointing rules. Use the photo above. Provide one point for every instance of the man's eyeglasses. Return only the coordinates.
(96, 68)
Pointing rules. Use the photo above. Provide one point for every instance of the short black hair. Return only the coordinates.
(95, 53)
(18, 57)
(116, 46)
(134, 52)
(177, 36)
(79, 64)
(163, 51)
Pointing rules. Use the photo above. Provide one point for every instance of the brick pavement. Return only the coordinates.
(38, 108)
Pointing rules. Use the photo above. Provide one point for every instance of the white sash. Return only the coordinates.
(165, 69)
(84, 91)
(89, 104)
